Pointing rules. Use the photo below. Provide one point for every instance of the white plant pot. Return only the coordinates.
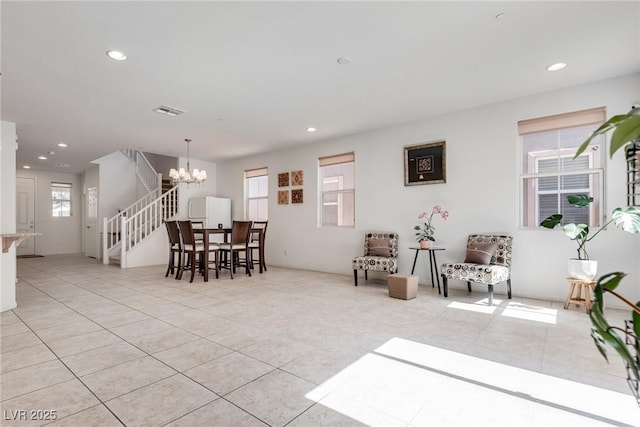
(583, 269)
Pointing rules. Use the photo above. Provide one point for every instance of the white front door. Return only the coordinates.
(25, 214)
(91, 223)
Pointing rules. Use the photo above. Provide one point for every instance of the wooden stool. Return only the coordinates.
(576, 288)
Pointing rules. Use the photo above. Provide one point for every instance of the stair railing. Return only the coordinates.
(141, 224)
(151, 179)
(112, 229)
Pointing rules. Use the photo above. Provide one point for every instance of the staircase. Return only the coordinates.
(138, 221)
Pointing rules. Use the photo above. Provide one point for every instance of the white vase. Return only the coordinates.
(583, 269)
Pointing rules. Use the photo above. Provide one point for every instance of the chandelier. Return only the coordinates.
(186, 176)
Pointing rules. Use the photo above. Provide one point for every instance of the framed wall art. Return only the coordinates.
(297, 196)
(425, 163)
(297, 178)
(283, 179)
(283, 197)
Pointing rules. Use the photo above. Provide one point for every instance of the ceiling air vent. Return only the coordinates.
(62, 165)
(169, 111)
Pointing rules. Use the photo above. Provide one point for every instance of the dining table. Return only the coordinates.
(226, 232)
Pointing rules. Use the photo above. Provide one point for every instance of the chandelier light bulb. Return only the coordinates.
(185, 175)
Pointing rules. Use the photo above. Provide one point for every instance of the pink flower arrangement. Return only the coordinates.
(426, 230)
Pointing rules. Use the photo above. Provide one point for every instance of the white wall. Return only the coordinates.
(162, 164)
(8, 213)
(60, 235)
(118, 184)
(481, 193)
(187, 191)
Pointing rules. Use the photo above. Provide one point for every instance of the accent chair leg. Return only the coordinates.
(355, 277)
(365, 275)
(509, 287)
(469, 286)
(445, 286)
(490, 295)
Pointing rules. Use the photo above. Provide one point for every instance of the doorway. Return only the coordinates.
(91, 223)
(25, 214)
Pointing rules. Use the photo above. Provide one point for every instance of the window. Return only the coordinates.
(257, 194)
(550, 173)
(337, 190)
(60, 199)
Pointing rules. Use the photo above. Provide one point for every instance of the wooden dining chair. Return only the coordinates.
(175, 247)
(239, 242)
(258, 235)
(194, 251)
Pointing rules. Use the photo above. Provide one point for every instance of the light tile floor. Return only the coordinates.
(102, 346)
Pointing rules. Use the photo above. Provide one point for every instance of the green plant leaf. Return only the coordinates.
(611, 337)
(604, 128)
(576, 231)
(599, 342)
(627, 219)
(610, 281)
(551, 221)
(636, 321)
(417, 227)
(597, 294)
(626, 131)
(579, 200)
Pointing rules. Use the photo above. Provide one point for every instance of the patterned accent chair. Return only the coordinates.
(380, 254)
(495, 269)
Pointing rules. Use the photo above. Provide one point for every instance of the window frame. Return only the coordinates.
(329, 161)
(250, 174)
(529, 197)
(52, 189)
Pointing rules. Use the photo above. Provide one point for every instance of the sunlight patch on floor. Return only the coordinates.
(531, 312)
(406, 382)
(478, 308)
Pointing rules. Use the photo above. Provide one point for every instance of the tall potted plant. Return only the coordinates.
(583, 267)
(624, 340)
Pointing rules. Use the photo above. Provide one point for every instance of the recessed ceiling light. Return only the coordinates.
(42, 157)
(311, 129)
(557, 66)
(343, 60)
(26, 167)
(63, 145)
(116, 55)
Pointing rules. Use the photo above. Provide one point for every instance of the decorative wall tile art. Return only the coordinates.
(297, 178)
(283, 179)
(283, 197)
(296, 196)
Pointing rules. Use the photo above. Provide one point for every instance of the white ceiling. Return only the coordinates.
(252, 76)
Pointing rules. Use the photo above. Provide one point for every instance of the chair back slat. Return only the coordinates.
(173, 232)
(240, 232)
(257, 228)
(503, 252)
(186, 231)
